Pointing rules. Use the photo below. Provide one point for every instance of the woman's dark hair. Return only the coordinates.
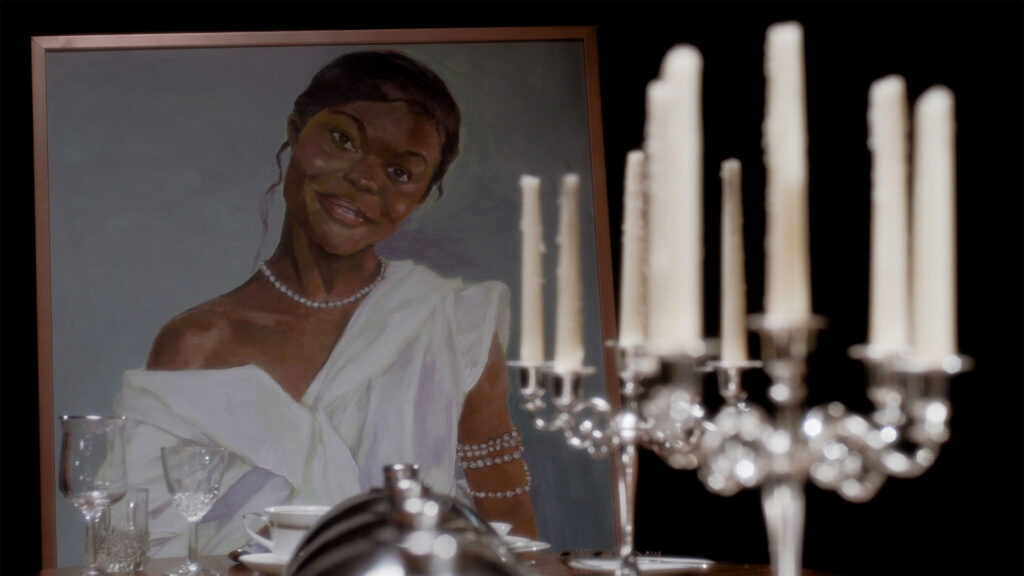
(386, 76)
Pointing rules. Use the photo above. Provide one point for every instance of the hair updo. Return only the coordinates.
(386, 76)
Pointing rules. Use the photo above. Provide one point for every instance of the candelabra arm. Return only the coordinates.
(674, 416)
(912, 409)
(583, 432)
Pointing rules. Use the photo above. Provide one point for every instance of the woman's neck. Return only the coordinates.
(319, 275)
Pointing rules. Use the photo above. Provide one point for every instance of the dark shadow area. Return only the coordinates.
(964, 516)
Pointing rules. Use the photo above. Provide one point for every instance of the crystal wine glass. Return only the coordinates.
(193, 474)
(92, 471)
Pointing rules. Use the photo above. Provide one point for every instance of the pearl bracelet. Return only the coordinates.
(485, 462)
(506, 493)
(506, 440)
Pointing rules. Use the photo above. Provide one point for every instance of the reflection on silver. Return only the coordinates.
(403, 529)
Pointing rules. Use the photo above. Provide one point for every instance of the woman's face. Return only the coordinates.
(357, 171)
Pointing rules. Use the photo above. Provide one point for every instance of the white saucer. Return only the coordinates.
(515, 540)
(269, 563)
(528, 546)
(647, 564)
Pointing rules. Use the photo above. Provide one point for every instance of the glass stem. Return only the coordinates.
(91, 520)
(193, 553)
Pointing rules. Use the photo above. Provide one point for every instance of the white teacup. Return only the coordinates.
(288, 524)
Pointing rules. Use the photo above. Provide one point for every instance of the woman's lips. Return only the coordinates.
(343, 210)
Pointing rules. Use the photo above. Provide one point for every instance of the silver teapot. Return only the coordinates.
(403, 529)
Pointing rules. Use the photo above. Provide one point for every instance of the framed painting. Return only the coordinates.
(154, 154)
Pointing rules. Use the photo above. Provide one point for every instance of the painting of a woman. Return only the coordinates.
(331, 361)
(317, 254)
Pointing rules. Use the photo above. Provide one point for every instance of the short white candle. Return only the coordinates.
(934, 226)
(675, 304)
(569, 312)
(733, 277)
(787, 297)
(889, 317)
(632, 318)
(531, 343)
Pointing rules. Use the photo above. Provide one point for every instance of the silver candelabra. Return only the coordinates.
(776, 447)
(552, 396)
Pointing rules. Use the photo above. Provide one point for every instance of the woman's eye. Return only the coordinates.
(341, 139)
(398, 174)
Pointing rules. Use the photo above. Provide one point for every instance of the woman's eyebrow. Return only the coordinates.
(413, 155)
(358, 122)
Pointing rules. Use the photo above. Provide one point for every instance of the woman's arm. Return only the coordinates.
(485, 417)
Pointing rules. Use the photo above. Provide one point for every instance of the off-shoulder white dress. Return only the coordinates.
(391, 391)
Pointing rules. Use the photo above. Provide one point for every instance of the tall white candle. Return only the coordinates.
(733, 277)
(569, 312)
(889, 317)
(632, 320)
(675, 306)
(787, 268)
(531, 343)
(934, 226)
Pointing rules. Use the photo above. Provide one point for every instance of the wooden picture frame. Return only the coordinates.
(143, 208)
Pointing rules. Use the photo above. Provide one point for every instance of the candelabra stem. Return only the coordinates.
(782, 495)
(783, 501)
(785, 348)
(626, 481)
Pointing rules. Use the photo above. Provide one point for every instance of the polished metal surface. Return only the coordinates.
(403, 529)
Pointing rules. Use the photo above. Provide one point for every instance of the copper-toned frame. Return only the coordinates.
(43, 45)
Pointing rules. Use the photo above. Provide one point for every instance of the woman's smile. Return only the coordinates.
(343, 211)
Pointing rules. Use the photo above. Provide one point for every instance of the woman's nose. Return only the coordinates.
(363, 176)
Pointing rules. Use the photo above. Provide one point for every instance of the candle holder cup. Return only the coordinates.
(533, 387)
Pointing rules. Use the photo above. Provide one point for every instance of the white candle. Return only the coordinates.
(733, 277)
(531, 343)
(787, 268)
(569, 312)
(632, 318)
(934, 226)
(889, 317)
(675, 310)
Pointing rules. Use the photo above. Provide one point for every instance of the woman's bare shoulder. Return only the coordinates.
(192, 339)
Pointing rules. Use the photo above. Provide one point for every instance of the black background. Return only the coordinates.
(964, 516)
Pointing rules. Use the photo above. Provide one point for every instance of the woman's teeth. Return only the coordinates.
(344, 212)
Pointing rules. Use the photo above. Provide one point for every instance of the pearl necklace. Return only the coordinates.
(329, 303)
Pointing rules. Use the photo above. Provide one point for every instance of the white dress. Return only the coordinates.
(391, 391)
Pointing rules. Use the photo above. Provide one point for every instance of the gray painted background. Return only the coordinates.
(158, 160)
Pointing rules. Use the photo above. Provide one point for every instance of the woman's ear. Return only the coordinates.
(294, 127)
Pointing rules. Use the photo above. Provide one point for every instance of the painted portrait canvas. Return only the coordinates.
(167, 173)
